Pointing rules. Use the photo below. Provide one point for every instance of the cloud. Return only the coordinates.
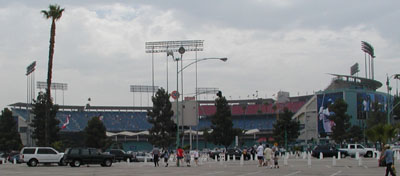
(271, 45)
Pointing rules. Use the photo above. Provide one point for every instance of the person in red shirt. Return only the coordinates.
(179, 155)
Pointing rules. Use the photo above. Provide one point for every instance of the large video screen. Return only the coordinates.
(370, 102)
(325, 124)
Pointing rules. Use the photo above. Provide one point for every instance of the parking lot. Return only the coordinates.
(295, 166)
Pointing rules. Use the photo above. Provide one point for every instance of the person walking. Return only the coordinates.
(156, 154)
(388, 157)
(268, 156)
(165, 155)
(260, 154)
(196, 156)
(179, 156)
(187, 158)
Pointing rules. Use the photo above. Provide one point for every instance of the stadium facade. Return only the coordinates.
(360, 95)
(128, 125)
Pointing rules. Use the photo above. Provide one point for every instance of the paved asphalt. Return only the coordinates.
(295, 167)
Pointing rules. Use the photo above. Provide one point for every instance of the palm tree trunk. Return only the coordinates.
(51, 53)
(49, 75)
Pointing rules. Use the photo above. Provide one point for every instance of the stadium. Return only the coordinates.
(128, 124)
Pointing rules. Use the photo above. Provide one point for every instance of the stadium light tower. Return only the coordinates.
(171, 46)
(30, 95)
(54, 86)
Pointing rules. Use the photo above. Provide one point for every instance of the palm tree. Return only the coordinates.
(55, 13)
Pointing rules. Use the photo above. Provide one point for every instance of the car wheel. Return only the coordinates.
(107, 163)
(369, 154)
(342, 155)
(33, 163)
(77, 163)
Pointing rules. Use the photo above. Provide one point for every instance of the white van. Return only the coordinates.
(32, 156)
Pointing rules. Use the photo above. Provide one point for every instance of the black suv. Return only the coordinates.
(120, 155)
(328, 151)
(78, 156)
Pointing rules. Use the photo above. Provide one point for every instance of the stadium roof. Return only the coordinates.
(346, 81)
(88, 107)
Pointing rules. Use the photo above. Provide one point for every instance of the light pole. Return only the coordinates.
(170, 53)
(224, 59)
(395, 76)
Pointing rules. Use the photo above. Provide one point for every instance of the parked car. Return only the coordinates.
(214, 153)
(75, 157)
(352, 149)
(121, 155)
(140, 156)
(328, 151)
(232, 152)
(32, 156)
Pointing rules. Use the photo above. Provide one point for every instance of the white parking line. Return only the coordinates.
(212, 173)
(251, 173)
(338, 172)
(293, 173)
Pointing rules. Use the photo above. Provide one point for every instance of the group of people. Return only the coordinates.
(180, 155)
(267, 156)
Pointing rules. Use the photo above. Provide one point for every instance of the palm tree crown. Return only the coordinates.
(54, 12)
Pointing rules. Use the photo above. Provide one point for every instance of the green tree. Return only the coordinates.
(376, 117)
(96, 134)
(381, 133)
(54, 13)
(206, 136)
(163, 132)
(341, 119)
(45, 130)
(9, 136)
(286, 123)
(223, 132)
(355, 134)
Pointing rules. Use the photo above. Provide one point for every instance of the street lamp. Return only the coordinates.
(181, 51)
(394, 76)
(170, 53)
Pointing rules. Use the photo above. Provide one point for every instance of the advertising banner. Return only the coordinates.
(370, 102)
(325, 124)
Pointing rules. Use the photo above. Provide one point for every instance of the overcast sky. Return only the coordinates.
(271, 45)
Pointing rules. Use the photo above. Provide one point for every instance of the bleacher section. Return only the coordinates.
(253, 109)
(252, 116)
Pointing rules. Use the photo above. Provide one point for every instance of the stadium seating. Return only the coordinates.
(246, 117)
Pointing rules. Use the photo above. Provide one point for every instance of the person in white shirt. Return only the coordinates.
(196, 156)
(260, 154)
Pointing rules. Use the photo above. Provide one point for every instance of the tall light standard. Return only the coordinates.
(170, 53)
(395, 76)
(30, 95)
(224, 59)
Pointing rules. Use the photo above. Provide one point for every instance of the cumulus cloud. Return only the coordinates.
(271, 45)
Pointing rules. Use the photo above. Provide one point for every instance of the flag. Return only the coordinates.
(66, 122)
